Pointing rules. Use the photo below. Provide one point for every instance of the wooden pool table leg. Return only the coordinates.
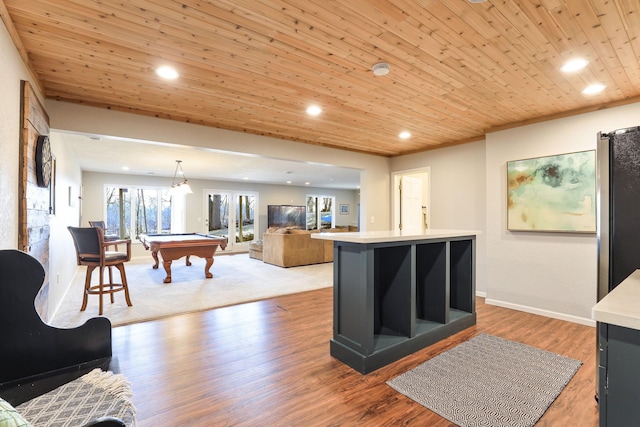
(167, 268)
(207, 273)
(154, 254)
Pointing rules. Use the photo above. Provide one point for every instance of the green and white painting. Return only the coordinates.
(554, 193)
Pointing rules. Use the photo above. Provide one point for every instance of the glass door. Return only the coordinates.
(232, 214)
(320, 212)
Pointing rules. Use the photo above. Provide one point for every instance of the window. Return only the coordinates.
(132, 211)
(320, 210)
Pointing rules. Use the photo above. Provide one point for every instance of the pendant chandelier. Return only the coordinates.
(181, 187)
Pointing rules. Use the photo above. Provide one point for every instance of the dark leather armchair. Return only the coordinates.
(35, 357)
(93, 252)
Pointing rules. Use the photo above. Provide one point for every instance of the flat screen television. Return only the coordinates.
(287, 216)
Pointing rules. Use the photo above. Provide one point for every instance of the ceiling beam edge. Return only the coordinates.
(564, 114)
(17, 42)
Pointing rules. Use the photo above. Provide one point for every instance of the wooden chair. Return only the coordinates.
(93, 251)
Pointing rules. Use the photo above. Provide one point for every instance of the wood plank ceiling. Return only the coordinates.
(458, 70)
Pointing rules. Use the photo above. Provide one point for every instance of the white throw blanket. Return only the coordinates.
(94, 395)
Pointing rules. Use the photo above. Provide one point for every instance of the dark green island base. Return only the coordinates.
(395, 294)
(618, 370)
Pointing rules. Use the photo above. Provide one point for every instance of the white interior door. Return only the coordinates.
(411, 205)
(232, 214)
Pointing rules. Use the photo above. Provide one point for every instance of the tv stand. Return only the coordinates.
(395, 293)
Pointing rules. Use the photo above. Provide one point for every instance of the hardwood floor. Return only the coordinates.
(267, 363)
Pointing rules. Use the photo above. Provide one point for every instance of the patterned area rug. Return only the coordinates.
(489, 381)
(94, 395)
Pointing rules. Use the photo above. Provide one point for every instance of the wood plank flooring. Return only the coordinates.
(267, 363)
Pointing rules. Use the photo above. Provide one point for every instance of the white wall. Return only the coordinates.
(61, 266)
(549, 273)
(457, 192)
(93, 198)
(62, 261)
(374, 178)
(11, 72)
(552, 274)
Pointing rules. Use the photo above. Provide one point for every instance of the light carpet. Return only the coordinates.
(236, 279)
(489, 381)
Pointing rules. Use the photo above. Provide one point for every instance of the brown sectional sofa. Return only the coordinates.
(290, 247)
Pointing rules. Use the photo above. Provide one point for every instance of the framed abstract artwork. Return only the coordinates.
(553, 193)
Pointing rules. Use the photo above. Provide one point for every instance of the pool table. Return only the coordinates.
(175, 246)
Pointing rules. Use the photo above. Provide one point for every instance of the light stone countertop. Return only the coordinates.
(392, 236)
(621, 306)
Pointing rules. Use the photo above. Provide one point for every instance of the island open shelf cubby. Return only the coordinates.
(395, 294)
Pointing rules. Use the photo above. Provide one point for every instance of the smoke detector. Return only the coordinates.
(380, 69)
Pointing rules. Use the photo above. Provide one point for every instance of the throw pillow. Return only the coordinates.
(9, 417)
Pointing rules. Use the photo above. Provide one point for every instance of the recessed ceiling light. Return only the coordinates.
(125, 168)
(307, 183)
(593, 89)
(404, 135)
(167, 72)
(314, 110)
(288, 182)
(381, 69)
(574, 65)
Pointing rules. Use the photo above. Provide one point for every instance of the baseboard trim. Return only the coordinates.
(481, 294)
(541, 312)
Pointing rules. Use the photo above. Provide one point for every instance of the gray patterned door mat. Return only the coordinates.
(489, 381)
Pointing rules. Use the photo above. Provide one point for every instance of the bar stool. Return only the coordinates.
(93, 252)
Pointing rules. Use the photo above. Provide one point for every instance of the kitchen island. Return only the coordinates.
(396, 293)
(618, 316)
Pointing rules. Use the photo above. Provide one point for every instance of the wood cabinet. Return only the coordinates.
(395, 294)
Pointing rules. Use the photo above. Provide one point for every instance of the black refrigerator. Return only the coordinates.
(618, 163)
(618, 206)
